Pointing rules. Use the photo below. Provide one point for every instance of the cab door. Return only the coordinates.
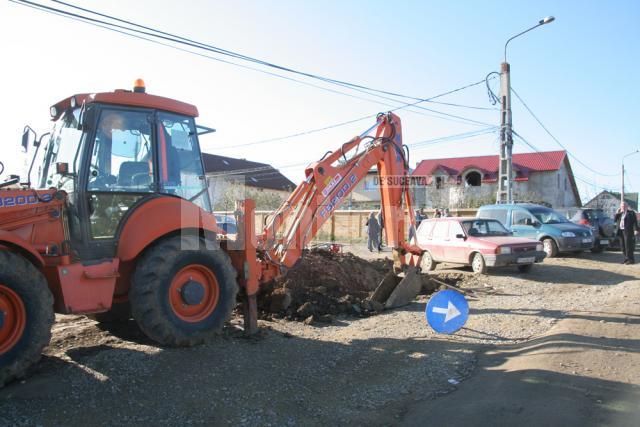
(180, 161)
(120, 173)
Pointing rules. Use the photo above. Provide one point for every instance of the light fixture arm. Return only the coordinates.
(543, 21)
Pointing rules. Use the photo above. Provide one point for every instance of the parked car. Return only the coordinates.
(477, 242)
(602, 227)
(541, 223)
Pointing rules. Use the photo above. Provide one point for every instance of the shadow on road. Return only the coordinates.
(552, 380)
(557, 274)
(366, 381)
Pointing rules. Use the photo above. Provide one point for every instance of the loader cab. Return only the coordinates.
(111, 157)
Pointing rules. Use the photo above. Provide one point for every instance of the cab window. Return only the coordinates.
(121, 157)
(121, 169)
(181, 169)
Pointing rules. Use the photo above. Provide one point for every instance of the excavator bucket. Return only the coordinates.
(397, 290)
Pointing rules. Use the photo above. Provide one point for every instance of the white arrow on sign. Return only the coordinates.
(451, 312)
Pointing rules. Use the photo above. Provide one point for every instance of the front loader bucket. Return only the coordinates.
(398, 290)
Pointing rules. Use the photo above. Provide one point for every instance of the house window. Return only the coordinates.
(439, 182)
(473, 179)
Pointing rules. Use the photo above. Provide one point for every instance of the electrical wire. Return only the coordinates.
(332, 126)
(556, 139)
(493, 98)
(533, 147)
(459, 136)
(153, 32)
(182, 40)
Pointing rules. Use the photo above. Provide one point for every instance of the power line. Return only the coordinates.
(556, 139)
(459, 136)
(189, 42)
(195, 44)
(332, 126)
(533, 147)
(153, 32)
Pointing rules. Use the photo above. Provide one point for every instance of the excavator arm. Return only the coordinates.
(327, 184)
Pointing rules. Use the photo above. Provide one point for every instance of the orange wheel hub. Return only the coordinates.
(194, 293)
(13, 318)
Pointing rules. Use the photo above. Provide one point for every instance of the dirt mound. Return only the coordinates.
(322, 285)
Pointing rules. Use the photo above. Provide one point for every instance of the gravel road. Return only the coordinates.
(355, 371)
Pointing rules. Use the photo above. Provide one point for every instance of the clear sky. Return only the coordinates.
(579, 74)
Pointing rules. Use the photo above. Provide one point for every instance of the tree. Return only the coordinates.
(265, 200)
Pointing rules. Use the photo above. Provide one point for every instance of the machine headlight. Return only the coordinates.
(504, 250)
(539, 247)
(73, 102)
(568, 234)
(53, 111)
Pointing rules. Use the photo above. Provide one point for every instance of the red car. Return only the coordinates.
(477, 242)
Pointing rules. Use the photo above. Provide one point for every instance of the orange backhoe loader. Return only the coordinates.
(119, 224)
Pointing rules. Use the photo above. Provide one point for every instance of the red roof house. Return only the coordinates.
(479, 170)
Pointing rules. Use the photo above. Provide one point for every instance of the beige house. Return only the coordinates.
(609, 202)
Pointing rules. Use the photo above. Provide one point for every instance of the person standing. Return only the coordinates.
(381, 224)
(628, 228)
(373, 233)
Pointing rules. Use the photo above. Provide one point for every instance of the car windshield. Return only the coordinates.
(484, 227)
(548, 216)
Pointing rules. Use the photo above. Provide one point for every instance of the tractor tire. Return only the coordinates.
(120, 312)
(182, 292)
(26, 315)
(427, 263)
(478, 265)
(550, 247)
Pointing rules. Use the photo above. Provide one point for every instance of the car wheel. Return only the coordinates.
(427, 263)
(478, 265)
(550, 248)
(525, 268)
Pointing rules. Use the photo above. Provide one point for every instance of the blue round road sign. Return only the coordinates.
(447, 311)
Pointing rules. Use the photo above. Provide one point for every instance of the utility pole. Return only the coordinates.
(505, 191)
(505, 167)
(622, 188)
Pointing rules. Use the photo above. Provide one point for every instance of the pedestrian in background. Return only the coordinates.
(628, 228)
(373, 233)
(381, 223)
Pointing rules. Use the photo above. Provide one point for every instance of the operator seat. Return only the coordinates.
(133, 175)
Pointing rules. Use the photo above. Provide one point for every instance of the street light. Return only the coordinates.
(543, 21)
(505, 193)
(624, 157)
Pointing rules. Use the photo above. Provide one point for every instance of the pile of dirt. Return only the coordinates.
(322, 285)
